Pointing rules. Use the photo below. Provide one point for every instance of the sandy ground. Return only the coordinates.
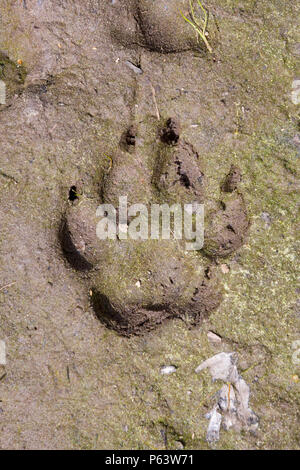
(69, 381)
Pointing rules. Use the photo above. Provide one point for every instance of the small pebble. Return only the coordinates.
(295, 378)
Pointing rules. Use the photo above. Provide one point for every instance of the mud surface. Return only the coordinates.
(159, 279)
(111, 98)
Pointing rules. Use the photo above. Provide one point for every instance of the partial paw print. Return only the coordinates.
(162, 26)
(137, 284)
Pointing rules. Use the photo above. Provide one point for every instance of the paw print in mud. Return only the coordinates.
(162, 25)
(137, 284)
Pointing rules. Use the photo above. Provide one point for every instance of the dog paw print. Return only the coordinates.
(136, 284)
